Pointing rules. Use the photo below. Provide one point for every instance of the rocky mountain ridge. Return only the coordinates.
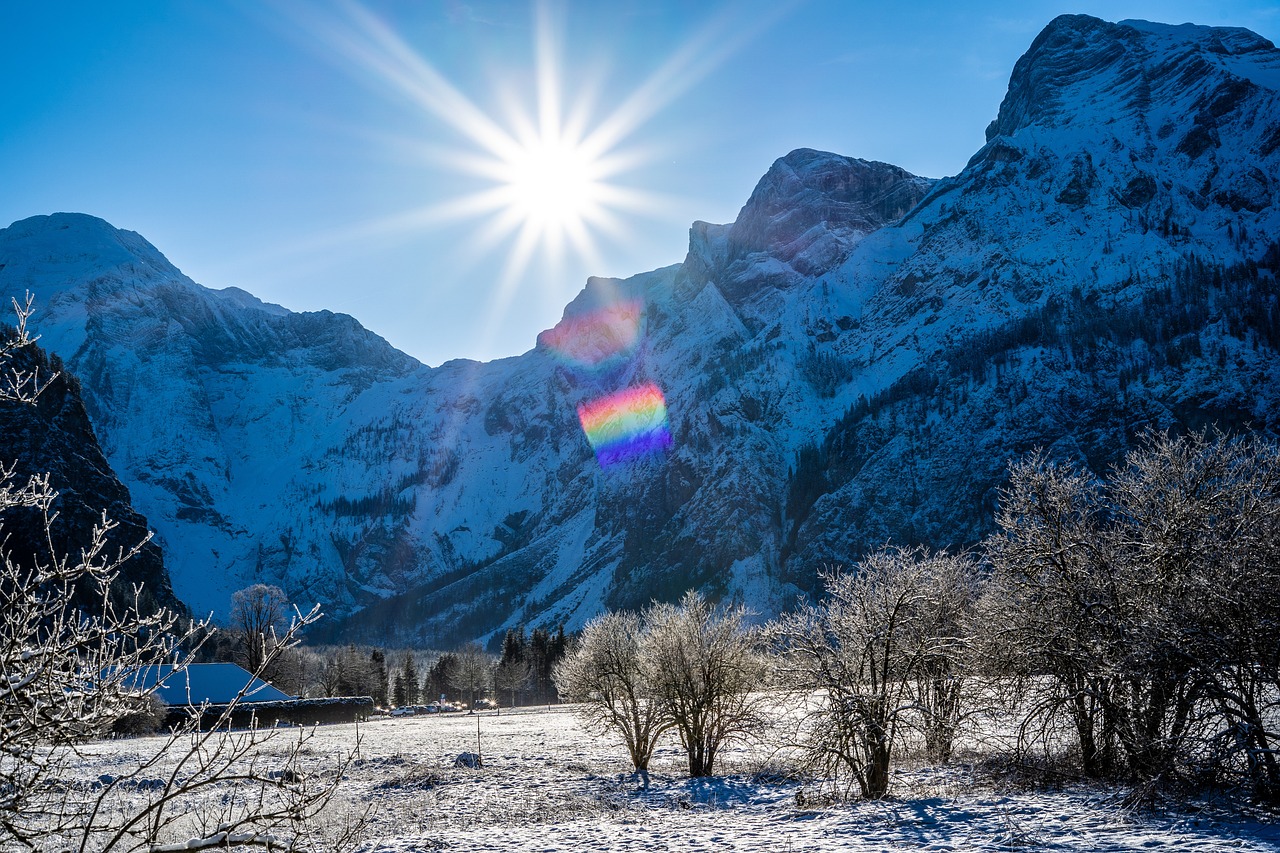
(851, 362)
(53, 436)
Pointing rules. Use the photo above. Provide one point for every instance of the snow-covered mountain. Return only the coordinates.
(852, 361)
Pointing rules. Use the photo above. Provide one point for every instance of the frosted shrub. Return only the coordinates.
(883, 652)
(603, 672)
(691, 667)
(704, 668)
(1152, 600)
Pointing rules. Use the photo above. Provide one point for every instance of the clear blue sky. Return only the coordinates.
(310, 152)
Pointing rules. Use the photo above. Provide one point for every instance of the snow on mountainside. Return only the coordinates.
(1105, 263)
(852, 361)
(208, 402)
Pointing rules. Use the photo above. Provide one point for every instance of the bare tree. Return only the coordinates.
(258, 612)
(883, 652)
(511, 675)
(703, 667)
(941, 629)
(603, 672)
(1147, 599)
(68, 672)
(299, 671)
(471, 673)
(1198, 522)
(1051, 607)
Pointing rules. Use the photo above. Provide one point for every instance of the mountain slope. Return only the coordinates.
(852, 361)
(207, 402)
(1104, 264)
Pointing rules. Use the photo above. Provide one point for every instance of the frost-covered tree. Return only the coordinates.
(603, 672)
(258, 613)
(1149, 599)
(300, 671)
(883, 651)
(1200, 515)
(703, 667)
(69, 672)
(942, 629)
(471, 674)
(1052, 607)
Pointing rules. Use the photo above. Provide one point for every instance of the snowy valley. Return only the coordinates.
(853, 361)
(1082, 656)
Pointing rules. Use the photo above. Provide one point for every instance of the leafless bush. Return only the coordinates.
(1152, 601)
(884, 653)
(691, 667)
(704, 668)
(603, 672)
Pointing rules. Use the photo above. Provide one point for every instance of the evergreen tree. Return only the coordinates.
(378, 690)
(513, 670)
(409, 679)
(440, 677)
(544, 651)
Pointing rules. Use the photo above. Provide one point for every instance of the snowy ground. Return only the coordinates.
(549, 785)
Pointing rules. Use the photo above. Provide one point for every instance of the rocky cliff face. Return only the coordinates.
(1106, 263)
(851, 362)
(53, 436)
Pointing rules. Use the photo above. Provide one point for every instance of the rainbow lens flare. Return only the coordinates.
(598, 336)
(626, 424)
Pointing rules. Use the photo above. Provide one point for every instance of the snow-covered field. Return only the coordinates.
(549, 785)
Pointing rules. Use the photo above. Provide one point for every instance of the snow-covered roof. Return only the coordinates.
(216, 683)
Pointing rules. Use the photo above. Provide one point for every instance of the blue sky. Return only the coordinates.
(318, 154)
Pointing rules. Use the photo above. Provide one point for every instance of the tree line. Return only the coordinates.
(520, 675)
(1128, 626)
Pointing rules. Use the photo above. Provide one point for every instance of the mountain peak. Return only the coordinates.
(811, 206)
(80, 229)
(1070, 50)
(1232, 41)
(1081, 66)
(50, 254)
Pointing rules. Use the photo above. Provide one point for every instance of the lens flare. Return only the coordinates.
(592, 339)
(626, 424)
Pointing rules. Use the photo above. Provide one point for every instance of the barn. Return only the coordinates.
(211, 688)
(206, 684)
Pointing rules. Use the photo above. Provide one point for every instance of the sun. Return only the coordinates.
(554, 184)
(552, 177)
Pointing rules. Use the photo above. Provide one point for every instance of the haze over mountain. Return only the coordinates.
(851, 362)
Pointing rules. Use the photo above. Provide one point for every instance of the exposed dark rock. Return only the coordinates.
(54, 436)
